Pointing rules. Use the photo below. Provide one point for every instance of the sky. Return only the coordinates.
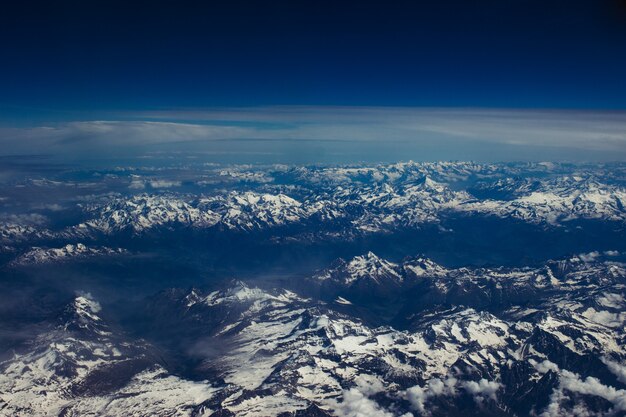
(451, 67)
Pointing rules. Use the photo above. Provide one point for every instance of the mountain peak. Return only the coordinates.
(370, 266)
(428, 183)
(83, 314)
(422, 266)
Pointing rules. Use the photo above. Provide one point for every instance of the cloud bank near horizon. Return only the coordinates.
(350, 132)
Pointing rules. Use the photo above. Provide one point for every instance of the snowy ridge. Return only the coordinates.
(140, 213)
(12, 233)
(364, 200)
(566, 275)
(285, 353)
(67, 252)
(246, 211)
(291, 353)
(554, 201)
(71, 368)
(365, 267)
(250, 211)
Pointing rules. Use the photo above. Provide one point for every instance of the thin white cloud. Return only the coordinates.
(164, 184)
(96, 136)
(26, 219)
(137, 184)
(581, 129)
(575, 131)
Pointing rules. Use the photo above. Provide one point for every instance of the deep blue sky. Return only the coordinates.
(61, 57)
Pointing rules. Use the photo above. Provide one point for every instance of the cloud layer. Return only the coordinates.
(420, 134)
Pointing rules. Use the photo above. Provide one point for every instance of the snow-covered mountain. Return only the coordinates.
(14, 233)
(368, 267)
(485, 325)
(81, 367)
(385, 202)
(429, 285)
(144, 212)
(339, 203)
(270, 352)
(555, 201)
(290, 352)
(253, 211)
(65, 253)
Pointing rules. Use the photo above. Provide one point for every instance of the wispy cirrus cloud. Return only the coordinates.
(76, 136)
(417, 133)
(584, 129)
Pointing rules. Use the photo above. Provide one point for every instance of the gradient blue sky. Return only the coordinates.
(201, 62)
(107, 55)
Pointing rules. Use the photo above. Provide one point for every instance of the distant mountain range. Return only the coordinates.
(337, 202)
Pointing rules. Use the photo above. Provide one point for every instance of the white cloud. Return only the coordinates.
(572, 382)
(603, 132)
(592, 386)
(27, 219)
(418, 396)
(582, 129)
(164, 184)
(482, 389)
(94, 138)
(357, 404)
(589, 257)
(50, 207)
(544, 366)
(617, 369)
(137, 184)
(605, 318)
(369, 384)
